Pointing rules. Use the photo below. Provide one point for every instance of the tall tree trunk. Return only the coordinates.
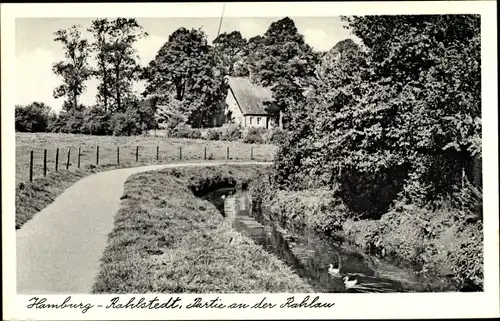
(75, 99)
(105, 85)
(117, 88)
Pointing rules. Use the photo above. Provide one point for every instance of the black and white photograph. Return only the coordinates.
(327, 155)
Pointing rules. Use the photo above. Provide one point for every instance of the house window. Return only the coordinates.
(258, 120)
(250, 120)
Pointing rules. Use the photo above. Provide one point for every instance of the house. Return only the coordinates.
(246, 104)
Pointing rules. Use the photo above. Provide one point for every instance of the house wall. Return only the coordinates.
(248, 120)
(234, 109)
(259, 121)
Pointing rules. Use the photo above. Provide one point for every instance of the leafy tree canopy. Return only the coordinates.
(187, 66)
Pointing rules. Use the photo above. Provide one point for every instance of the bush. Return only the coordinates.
(71, 122)
(125, 124)
(261, 189)
(184, 131)
(321, 210)
(432, 239)
(195, 133)
(180, 132)
(274, 136)
(231, 132)
(33, 118)
(213, 134)
(254, 136)
(97, 122)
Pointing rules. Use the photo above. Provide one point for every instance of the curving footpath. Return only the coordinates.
(59, 249)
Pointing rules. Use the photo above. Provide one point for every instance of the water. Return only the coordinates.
(309, 254)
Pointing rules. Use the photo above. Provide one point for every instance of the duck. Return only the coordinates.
(333, 271)
(349, 284)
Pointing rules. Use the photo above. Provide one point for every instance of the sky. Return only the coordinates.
(36, 51)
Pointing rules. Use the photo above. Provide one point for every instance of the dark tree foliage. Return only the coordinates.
(230, 48)
(188, 67)
(402, 111)
(282, 60)
(393, 128)
(35, 117)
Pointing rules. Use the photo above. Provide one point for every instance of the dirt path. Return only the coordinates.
(58, 251)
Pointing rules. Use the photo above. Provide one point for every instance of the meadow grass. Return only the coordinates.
(192, 149)
(167, 240)
(31, 197)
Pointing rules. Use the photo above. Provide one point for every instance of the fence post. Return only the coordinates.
(205, 155)
(118, 154)
(136, 153)
(79, 155)
(227, 152)
(180, 152)
(251, 153)
(97, 156)
(31, 166)
(67, 161)
(45, 162)
(57, 158)
(157, 151)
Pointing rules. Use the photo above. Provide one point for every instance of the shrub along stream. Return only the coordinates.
(440, 240)
(167, 240)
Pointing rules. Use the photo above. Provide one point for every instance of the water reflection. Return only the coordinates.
(309, 255)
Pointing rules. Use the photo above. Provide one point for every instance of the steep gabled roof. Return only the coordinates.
(250, 97)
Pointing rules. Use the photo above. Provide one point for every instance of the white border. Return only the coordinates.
(422, 305)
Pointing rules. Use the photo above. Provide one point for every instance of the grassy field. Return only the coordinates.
(167, 240)
(31, 197)
(192, 149)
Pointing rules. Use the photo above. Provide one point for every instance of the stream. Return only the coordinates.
(309, 254)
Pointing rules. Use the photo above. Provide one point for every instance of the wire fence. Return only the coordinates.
(68, 158)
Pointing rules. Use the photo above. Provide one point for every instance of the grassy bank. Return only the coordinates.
(167, 240)
(442, 240)
(192, 149)
(437, 240)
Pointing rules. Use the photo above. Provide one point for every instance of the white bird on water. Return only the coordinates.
(333, 271)
(350, 284)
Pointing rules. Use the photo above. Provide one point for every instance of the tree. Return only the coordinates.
(123, 59)
(425, 77)
(171, 113)
(117, 60)
(230, 48)
(34, 117)
(100, 29)
(400, 115)
(187, 67)
(346, 45)
(282, 60)
(74, 69)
